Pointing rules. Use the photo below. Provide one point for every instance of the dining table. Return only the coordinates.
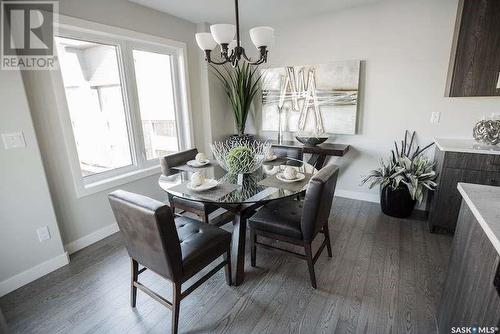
(239, 195)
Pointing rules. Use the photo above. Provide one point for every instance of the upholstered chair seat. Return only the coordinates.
(298, 222)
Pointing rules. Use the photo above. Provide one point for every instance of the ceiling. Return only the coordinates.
(252, 12)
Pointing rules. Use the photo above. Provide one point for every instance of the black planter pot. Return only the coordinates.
(396, 202)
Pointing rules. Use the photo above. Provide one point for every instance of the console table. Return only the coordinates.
(318, 152)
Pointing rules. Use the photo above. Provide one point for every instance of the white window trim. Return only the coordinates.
(78, 28)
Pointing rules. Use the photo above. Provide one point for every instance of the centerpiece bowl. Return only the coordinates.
(240, 155)
(311, 140)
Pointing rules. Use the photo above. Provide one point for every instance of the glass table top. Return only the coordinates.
(248, 190)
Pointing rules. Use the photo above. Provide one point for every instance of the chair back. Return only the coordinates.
(176, 159)
(148, 229)
(318, 201)
(288, 152)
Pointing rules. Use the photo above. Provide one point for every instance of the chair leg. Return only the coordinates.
(253, 247)
(310, 264)
(134, 278)
(176, 305)
(227, 268)
(327, 239)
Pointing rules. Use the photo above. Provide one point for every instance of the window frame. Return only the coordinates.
(125, 42)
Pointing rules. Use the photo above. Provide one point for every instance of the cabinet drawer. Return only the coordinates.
(472, 161)
(446, 200)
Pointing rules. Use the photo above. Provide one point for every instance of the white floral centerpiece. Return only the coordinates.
(240, 155)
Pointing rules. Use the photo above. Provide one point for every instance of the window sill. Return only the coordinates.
(115, 181)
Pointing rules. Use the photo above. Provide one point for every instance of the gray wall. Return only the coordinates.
(25, 203)
(406, 48)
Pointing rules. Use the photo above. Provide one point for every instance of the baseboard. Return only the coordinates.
(362, 196)
(91, 238)
(27, 276)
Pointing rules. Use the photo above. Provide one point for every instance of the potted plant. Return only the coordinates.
(403, 178)
(241, 84)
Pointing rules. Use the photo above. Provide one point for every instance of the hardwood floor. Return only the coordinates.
(385, 277)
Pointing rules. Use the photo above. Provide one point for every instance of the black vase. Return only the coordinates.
(396, 202)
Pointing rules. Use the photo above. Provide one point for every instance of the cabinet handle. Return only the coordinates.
(496, 280)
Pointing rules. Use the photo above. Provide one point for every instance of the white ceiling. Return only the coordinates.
(252, 12)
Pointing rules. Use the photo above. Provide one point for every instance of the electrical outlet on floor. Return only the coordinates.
(435, 117)
(43, 233)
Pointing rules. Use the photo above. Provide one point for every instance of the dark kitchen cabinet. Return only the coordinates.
(475, 57)
(470, 295)
(454, 167)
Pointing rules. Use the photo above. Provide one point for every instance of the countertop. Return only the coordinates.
(484, 202)
(465, 146)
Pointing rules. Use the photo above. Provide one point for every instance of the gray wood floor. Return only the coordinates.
(385, 277)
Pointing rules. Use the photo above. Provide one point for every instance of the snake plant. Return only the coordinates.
(406, 167)
(241, 84)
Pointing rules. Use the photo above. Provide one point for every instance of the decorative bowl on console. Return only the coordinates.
(311, 140)
(240, 155)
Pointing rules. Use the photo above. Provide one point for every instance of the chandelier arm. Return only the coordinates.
(209, 59)
(237, 22)
(261, 60)
(219, 63)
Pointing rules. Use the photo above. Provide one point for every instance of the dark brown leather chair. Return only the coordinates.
(288, 152)
(175, 250)
(200, 209)
(298, 222)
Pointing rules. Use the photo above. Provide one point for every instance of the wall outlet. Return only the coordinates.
(13, 140)
(43, 233)
(435, 117)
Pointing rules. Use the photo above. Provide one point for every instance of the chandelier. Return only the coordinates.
(231, 50)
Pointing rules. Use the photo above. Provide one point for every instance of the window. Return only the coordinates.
(156, 102)
(93, 90)
(124, 102)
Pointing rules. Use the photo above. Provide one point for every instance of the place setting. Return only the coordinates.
(199, 162)
(288, 178)
(203, 187)
(271, 159)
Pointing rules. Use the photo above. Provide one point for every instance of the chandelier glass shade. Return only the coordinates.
(231, 50)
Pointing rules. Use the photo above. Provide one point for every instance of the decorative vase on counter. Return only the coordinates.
(487, 132)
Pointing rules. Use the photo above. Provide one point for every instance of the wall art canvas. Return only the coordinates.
(319, 99)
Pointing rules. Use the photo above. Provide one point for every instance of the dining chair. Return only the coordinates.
(174, 249)
(200, 209)
(298, 222)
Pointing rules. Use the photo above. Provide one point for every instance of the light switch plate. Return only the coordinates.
(13, 140)
(435, 117)
(43, 233)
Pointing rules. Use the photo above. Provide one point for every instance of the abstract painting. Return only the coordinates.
(318, 99)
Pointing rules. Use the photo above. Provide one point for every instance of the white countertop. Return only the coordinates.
(484, 202)
(465, 146)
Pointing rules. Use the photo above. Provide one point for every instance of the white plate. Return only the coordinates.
(208, 184)
(196, 163)
(280, 177)
(274, 157)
